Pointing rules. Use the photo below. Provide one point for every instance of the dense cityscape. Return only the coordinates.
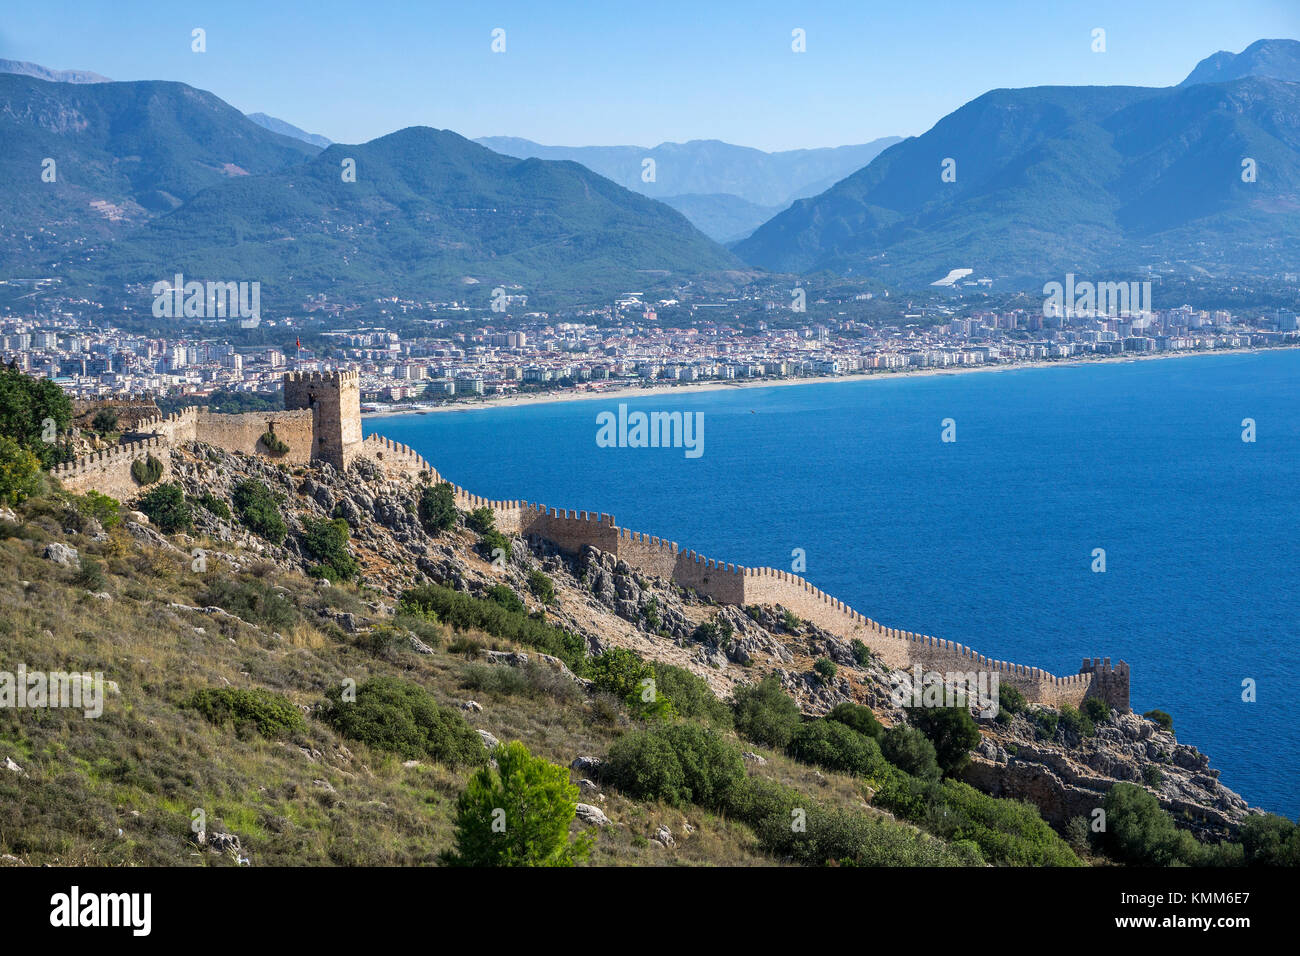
(467, 355)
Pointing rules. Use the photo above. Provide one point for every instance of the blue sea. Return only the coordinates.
(988, 540)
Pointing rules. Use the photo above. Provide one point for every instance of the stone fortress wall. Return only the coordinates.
(322, 422)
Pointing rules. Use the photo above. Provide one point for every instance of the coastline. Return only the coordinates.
(622, 392)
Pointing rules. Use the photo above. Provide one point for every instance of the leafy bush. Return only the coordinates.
(105, 421)
(107, 511)
(622, 673)
(911, 751)
(403, 718)
(1163, 720)
(1010, 699)
(861, 653)
(825, 668)
(146, 470)
(716, 632)
(847, 837)
(690, 695)
(791, 622)
(1140, 833)
(273, 442)
(90, 576)
(507, 598)
(259, 509)
(1075, 723)
(1045, 722)
(1007, 832)
(20, 472)
(26, 404)
(543, 587)
(1152, 775)
(676, 763)
(493, 543)
(465, 612)
(254, 601)
(953, 732)
(765, 713)
(214, 505)
(860, 718)
(835, 746)
(1270, 840)
(437, 508)
(269, 714)
(326, 541)
(166, 507)
(482, 520)
(518, 814)
(1096, 709)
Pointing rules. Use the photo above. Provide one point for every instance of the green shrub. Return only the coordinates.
(166, 507)
(716, 632)
(837, 747)
(861, 653)
(543, 587)
(269, 714)
(403, 718)
(254, 601)
(862, 719)
(850, 838)
(690, 695)
(465, 612)
(911, 751)
(791, 622)
(676, 763)
(1152, 775)
(259, 509)
(26, 404)
(437, 508)
(273, 443)
(1075, 723)
(20, 474)
(765, 713)
(1045, 723)
(494, 543)
(105, 421)
(953, 732)
(825, 669)
(1007, 832)
(146, 470)
(214, 505)
(518, 814)
(1163, 720)
(1010, 700)
(1140, 833)
(326, 541)
(90, 576)
(502, 594)
(1096, 709)
(622, 673)
(482, 520)
(107, 511)
(1270, 840)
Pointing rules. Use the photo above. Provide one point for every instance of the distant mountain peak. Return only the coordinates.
(276, 125)
(23, 68)
(1274, 59)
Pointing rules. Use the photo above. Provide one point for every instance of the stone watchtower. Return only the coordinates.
(335, 401)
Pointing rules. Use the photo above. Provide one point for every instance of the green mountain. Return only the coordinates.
(1057, 179)
(288, 129)
(122, 153)
(1276, 59)
(429, 214)
(696, 177)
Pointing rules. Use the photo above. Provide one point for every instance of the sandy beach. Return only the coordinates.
(676, 390)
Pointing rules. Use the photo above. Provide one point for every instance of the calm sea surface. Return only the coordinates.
(987, 540)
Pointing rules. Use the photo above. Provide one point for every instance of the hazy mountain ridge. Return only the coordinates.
(1274, 59)
(23, 68)
(276, 125)
(1055, 179)
(429, 213)
(692, 176)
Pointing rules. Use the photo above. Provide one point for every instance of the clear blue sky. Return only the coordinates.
(583, 73)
